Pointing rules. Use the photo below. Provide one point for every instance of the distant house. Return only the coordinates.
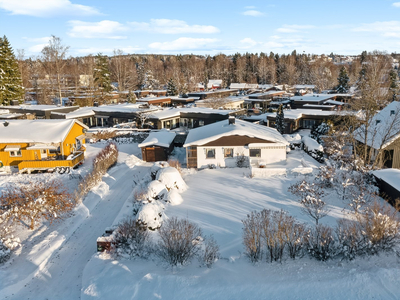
(383, 133)
(221, 143)
(157, 146)
(214, 84)
(29, 145)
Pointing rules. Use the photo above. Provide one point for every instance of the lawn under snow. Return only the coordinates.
(60, 261)
(218, 200)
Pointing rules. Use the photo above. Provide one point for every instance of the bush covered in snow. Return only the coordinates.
(313, 148)
(158, 165)
(181, 240)
(156, 191)
(150, 215)
(131, 239)
(172, 179)
(321, 243)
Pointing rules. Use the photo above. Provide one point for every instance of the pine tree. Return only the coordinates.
(131, 97)
(10, 78)
(171, 88)
(102, 75)
(280, 124)
(343, 79)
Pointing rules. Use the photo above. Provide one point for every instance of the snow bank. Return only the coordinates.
(311, 144)
(172, 179)
(293, 138)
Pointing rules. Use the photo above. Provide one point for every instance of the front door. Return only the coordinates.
(43, 153)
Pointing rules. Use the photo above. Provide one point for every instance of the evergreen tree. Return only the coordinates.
(171, 88)
(131, 97)
(394, 87)
(102, 75)
(343, 79)
(280, 122)
(10, 78)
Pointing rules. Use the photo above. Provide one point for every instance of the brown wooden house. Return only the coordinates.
(157, 146)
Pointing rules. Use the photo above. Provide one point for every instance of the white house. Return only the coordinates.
(222, 142)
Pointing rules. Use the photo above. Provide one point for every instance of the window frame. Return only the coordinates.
(231, 153)
(258, 150)
(14, 153)
(207, 150)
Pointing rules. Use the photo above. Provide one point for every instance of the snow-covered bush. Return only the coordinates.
(156, 167)
(174, 163)
(180, 241)
(156, 191)
(131, 239)
(310, 197)
(350, 239)
(321, 243)
(209, 252)
(321, 130)
(313, 148)
(294, 140)
(174, 198)
(242, 160)
(150, 215)
(172, 179)
(5, 253)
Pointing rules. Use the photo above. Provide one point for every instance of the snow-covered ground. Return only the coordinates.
(60, 262)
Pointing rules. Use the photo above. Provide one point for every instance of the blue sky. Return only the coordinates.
(203, 27)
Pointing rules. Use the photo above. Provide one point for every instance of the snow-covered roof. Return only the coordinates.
(175, 112)
(205, 134)
(384, 127)
(39, 107)
(40, 131)
(237, 86)
(79, 113)
(124, 108)
(313, 97)
(298, 113)
(161, 138)
(214, 82)
(391, 176)
(304, 86)
(334, 102)
(147, 99)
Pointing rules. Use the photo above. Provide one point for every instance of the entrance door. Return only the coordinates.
(43, 153)
(150, 154)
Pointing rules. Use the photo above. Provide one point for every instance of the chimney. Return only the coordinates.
(231, 120)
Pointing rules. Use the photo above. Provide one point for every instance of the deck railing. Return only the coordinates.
(51, 164)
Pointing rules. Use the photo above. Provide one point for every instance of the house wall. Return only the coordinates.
(395, 146)
(269, 154)
(69, 144)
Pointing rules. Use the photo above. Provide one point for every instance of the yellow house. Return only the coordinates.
(30, 145)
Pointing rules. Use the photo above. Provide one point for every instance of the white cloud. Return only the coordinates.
(249, 7)
(253, 13)
(167, 26)
(183, 43)
(46, 8)
(248, 42)
(396, 4)
(90, 30)
(387, 29)
(37, 48)
(294, 28)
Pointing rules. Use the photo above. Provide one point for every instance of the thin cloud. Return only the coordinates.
(95, 50)
(387, 29)
(253, 13)
(167, 26)
(249, 7)
(183, 43)
(294, 28)
(47, 8)
(396, 4)
(91, 30)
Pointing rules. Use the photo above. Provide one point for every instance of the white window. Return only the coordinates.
(210, 153)
(16, 153)
(228, 152)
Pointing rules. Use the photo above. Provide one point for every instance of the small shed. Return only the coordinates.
(388, 181)
(104, 243)
(158, 146)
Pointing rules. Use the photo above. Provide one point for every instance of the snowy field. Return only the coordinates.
(60, 261)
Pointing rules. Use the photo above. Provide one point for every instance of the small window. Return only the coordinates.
(377, 122)
(210, 153)
(228, 152)
(43, 151)
(392, 112)
(201, 122)
(255, 152)
(15, 153)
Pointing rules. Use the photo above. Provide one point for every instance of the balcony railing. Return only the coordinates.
(51, 164)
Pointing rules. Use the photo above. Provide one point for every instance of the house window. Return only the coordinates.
(15, 153)
(201, 122)
(43, 151)
(210, 153)
(255, 152)
(228, 152)
(377, 122)
(392, 112)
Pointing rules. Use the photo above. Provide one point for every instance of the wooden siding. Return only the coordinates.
(234, 140)
(191, 157)
(50, 164)
(152, 154)
(395, 146)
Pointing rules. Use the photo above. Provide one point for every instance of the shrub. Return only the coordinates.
(131, 239)
(252, 234)
(175, 164)
(350, 239)
(241, 160)
(209, 253)
(179, 242)
(5, 253)
(321, 243)
(273, 223)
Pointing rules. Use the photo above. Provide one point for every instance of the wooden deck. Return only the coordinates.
(33, 165)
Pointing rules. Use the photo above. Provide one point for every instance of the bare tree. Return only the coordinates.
(54, 61)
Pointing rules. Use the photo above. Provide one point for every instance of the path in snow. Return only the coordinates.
(52, 268)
